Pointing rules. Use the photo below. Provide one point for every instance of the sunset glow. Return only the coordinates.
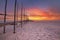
(34, 9)
(38, 14)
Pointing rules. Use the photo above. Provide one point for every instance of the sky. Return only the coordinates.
(35, 9)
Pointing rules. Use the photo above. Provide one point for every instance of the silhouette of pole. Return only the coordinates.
(15, 15)
(21, 13)
(5, 16)
(17, 12)
(24, 15)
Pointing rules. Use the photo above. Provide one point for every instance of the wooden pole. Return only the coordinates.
(17, 12)
(15, 15)
(21, 13)
(5, 16)
(24, 16)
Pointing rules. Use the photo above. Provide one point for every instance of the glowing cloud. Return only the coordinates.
(38, 14)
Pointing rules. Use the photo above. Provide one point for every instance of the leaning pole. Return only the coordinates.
(5, 16)
(15, 15)
(21, 14)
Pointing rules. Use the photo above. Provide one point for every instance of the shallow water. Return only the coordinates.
(42, 30)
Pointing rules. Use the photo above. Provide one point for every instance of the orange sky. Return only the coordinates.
(38, 14)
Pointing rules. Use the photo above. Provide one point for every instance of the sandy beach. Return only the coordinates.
(43, 30)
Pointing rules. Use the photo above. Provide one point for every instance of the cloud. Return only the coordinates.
(39, 14)
(54, 10)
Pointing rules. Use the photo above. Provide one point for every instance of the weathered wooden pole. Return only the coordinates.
(17, 12)
(21, 14)
(15, 15)
(25, 17)
(5, 16)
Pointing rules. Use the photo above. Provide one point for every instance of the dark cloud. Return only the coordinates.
(55, 10)
(33, 3)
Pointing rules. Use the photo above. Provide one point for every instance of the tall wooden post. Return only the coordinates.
(5, 16)
(24, 15)
(17, 12)
(21, 13)
(15, 15)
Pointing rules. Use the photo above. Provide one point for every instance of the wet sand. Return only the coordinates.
(32, 31)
